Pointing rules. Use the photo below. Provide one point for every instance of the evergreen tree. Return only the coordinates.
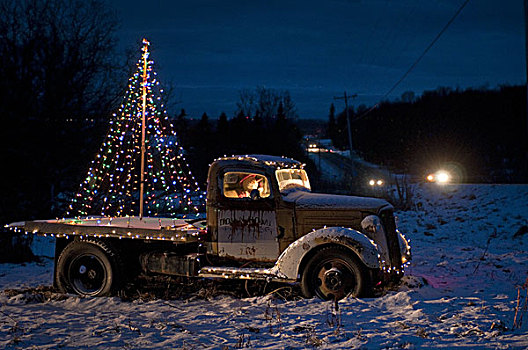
(113, 185)
(281, 116)
(182, 125)
(202, 147)
(222, 125)
(222, 136)
(203, 125)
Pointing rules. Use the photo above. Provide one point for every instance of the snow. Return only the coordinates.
(329, 171)
(459, 291)
(308, 200)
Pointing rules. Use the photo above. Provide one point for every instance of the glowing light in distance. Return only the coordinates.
(442, 177)
(374, 182)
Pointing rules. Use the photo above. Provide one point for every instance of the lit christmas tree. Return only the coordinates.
(140, 169)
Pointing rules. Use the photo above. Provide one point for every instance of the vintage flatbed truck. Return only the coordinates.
(262, 222)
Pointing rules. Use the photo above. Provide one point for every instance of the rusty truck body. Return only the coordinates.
(262, 222)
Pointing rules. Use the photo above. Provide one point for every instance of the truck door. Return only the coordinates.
(247, 224)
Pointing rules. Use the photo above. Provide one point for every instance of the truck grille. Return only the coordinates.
(387, 219)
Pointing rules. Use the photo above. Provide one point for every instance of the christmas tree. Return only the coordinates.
(140, 168)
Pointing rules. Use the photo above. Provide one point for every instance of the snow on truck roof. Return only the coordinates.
(273, 161)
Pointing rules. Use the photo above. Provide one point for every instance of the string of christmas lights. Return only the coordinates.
(112, 184)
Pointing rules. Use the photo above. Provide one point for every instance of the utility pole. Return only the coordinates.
(345, 97)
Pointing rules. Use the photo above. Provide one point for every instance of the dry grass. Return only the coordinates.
(521, 307)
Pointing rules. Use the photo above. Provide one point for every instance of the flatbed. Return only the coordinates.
(132, 227)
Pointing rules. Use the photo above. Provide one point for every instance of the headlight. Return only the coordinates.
(440, 177)
(376, 182)
(443, 177)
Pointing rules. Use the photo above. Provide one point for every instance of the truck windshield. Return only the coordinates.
(292, 178)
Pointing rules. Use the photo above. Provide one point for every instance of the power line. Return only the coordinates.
(417, 60)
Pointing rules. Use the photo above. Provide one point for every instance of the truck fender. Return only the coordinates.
(289, 262)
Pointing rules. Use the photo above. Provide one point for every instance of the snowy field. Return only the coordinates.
(461, 291)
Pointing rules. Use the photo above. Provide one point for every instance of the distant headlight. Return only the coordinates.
(440, 177)
(443, 177)
(376, 182)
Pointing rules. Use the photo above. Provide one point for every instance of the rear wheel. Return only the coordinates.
(88, 268)
(332, 274)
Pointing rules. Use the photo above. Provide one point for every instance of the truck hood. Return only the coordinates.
(320, 201)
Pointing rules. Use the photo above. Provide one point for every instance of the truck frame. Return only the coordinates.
(262, 222)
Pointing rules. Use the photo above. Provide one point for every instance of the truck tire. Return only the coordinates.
(334, 273)
(88, 268)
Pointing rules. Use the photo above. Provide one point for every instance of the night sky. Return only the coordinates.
(211, 49)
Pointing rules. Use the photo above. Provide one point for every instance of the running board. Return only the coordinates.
(244, 273)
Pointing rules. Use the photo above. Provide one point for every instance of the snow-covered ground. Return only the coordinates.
(328, 170)
(460, 291)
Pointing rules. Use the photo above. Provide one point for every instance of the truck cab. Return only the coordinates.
(260, 210)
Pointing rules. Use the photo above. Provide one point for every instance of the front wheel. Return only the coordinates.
(332, 274)
(87, 268)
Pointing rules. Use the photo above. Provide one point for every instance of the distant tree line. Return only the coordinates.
(482, 130)
(265, 123)
(59, 81)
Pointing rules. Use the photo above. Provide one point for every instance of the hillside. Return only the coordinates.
(470, 260)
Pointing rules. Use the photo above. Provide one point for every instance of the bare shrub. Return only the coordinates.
(521, 307)
(401, 193)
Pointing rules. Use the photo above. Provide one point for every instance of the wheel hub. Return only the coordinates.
(92, 274)
(87, 275)
(333, 279)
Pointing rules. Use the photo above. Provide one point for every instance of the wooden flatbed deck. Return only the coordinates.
(147, 228)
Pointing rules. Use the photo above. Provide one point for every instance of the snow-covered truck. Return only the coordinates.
(262, 222)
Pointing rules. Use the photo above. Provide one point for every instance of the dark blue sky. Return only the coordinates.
(211, 49)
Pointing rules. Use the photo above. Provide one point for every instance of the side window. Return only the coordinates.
(245, 185)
